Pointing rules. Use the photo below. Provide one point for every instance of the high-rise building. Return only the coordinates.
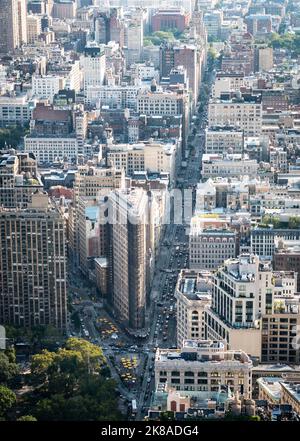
(166, 103)
(228, 165)
(242, 291)
(117, 26)
(64, 9)
(101, 28)
(36, 7)
(193, 295)
(255, 308)
(242, 110)
(210, 244)
(280, 333)
(46, 86)
(127, 225)
(16, 109)
(90, 183)
(9, 26)
(22, 21)
(259, 25)
(287, 257)
(33, 265)
(93, 66)
(190, 56)
(166, 59)
(154, 157)
(134, 34)
(263, 239)
(213, 22)
(34, 28)
(92, 231)
(18, 179)
(228, 82)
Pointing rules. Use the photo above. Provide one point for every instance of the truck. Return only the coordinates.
(133, 407)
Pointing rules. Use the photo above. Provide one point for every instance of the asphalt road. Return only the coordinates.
(173, 257)
(161, 316)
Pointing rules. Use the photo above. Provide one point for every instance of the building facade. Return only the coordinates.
(244, 111)
(128, 256)
(9, 26)
(209, 247)
(193, 296)
(33, 265)
(204, 365)
(224, 139)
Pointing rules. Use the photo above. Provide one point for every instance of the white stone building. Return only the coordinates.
(48, 150)
(244, 111)
(224, 140)
(229, 165)
(193, 295)
(204, 365)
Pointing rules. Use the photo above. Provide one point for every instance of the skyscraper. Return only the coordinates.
(19, 179)
(127, 256)
(93, 65)
(22, 21)
(33, 265)
(134, 37)
(190, 56)
(116, 26)
(90, 182)
(9, 26)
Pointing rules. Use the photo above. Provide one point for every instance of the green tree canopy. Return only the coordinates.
(8, 367)
(7, 400)
(288, 40)
(27, 418)
(40, 365)
(11, 136)
(72, 384)
(90, 353)
(159, 37)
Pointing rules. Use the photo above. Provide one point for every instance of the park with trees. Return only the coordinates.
(72, 383)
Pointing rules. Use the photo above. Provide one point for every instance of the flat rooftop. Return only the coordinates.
(293, 389)
(272, 386)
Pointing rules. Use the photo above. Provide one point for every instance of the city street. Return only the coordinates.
(161, 314)
(173, 257)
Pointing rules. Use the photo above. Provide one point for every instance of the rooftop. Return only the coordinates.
(238, 99)
(92, 212)
(195, 285)
(278, 367)
(223, 129)
(272, 386)
(203, 351)
(292, 389)
(232, 157)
